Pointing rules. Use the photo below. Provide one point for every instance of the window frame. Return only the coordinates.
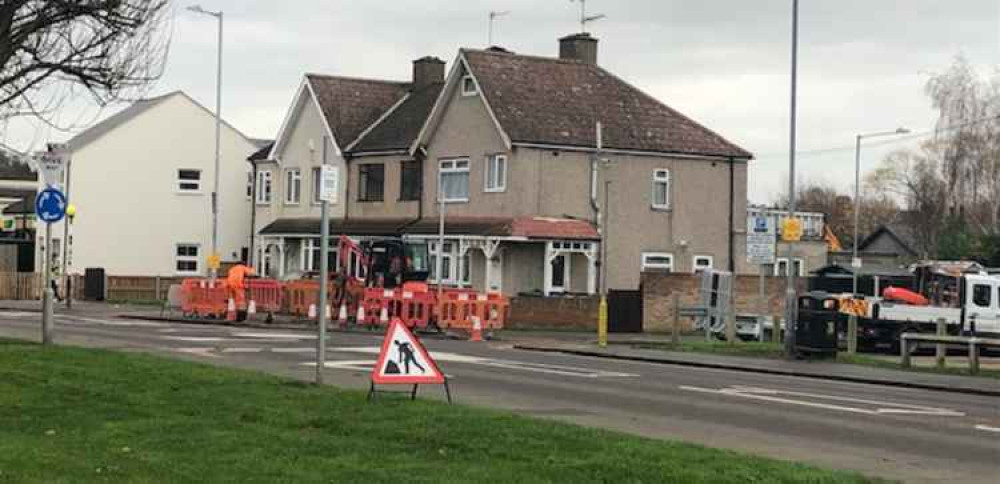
(265, 179)
(646, 265)
(364, 179)
(976, 293)
(250, 185)
(180, 182)
(293, 174)
(661, 176)
(454, 169)
(418, 186)
(450, 260)
(694, 263)
(490, 176)
(777, 266)
(468, 80)
(178, 258)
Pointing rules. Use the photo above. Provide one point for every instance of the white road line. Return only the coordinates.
(987, 428)
(272, 335)
(242, 350)
(772, 396)
(293, 350)
(206, 352)
(199, 339)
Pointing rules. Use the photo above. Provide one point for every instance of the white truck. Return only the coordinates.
(978, 312)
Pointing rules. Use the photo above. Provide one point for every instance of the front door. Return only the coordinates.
(560, 273)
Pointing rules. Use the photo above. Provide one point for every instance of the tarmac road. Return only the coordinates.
(898, 433)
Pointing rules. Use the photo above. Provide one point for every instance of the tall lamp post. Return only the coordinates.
(790, 301)
(855, 261)
(218, 147)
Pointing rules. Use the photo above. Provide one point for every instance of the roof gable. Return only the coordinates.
(351, 105)
(556, 101)
(897, 234)
(400, 127)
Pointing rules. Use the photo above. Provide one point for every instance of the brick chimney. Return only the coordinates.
(581, 47)
(426, 71)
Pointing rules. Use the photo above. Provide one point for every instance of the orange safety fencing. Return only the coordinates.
(457, 311)
(200, 297)
(300, 295)
(414, 308)
(267, 294)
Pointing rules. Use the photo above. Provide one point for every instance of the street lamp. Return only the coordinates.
(218, 130)
(855, 262)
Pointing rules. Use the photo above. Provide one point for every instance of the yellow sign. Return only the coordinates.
(791, 230)
(214, 262)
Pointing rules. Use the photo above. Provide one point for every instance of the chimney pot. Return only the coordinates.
(581, 47)
(427, 71)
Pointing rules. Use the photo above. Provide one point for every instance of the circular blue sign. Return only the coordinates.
(50, 206)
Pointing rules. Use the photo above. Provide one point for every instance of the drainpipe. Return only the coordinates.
(347, 185)
(253, 212)
(732, 202)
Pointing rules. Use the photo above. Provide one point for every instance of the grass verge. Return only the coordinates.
(776, 351)
(76, 415)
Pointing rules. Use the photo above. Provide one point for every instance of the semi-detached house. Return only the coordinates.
(509, 143)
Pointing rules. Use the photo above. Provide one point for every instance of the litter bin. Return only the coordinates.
(816, 327)
(94, 284)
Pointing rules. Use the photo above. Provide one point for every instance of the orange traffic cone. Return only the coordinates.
(384, 315)
(477, 330)
(231, 310)
(342, 317)
(251, 308)
(312, 311)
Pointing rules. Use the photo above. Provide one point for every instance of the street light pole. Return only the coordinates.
(790, 290)
(218, 146)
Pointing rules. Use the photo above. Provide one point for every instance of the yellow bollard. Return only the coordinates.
(602, 323)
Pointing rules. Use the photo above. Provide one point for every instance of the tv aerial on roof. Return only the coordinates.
(493, 16)
(584, 18)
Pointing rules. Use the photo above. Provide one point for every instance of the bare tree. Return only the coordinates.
(50, 49)
(915, 178)
(877, 208)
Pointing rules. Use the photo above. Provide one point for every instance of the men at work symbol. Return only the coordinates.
(406, 358)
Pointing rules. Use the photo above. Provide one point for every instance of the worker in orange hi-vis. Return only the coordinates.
(237, 287)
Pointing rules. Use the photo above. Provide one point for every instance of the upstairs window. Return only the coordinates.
(661, 189)
(293, 186)
(496, 173)
(469, 86)
(188, 181)
(186, 259)
(657, 261)
(264, 187)
(411, 181)
(453, 181)
(371, 182)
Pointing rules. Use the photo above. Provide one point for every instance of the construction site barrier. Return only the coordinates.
(266, 294)
(203, 298)
(300, 295)
(458, 310)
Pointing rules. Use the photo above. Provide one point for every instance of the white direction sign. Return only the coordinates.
(51, 165)
(329, 184)
(761, 242)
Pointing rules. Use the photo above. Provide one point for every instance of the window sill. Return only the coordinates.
(371, 201)
(263, 204)
(291, 204)
(456, 200)
(495, 190)
(189, 192)
(661, 208)
(407, 200)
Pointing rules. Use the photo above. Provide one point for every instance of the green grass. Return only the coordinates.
(75, 415)
(776, 351)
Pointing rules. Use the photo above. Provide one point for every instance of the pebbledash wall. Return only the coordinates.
(659, 289)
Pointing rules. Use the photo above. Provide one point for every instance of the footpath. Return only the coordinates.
(621, 347)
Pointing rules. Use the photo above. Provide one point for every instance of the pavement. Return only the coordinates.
(904, 433)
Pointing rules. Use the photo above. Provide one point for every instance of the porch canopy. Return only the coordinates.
(526, 228)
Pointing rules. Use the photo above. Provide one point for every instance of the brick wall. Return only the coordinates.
(571, 312)
(659, 289)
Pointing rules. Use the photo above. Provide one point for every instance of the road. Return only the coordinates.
(907, 434)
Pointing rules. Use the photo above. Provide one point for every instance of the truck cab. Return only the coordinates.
(981, 304)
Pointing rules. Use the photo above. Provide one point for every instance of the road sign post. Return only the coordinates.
(761, 247)
(327, 194)
(50, 207)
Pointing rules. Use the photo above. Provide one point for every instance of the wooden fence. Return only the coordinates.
(20, 286)
(28, 286)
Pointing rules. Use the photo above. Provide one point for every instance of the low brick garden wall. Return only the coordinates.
(569, 312)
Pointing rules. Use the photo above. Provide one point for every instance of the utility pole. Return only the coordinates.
(790, 295)
(324, 242)
(602, 308)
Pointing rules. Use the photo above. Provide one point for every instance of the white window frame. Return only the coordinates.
(566, 275)
(187, 258)
(317, 179)
(695, 259)
(184, 181)
(780, 260)
(250, 185)
(495, 179)
(660, 176)
(265, 187)
(647, 265)
(451, 166)
(293, 179)
(468, 80)
(451, 256)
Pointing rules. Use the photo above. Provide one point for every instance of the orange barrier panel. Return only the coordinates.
(457, 312)
(267, 294)
(202, 298)
(302, 294)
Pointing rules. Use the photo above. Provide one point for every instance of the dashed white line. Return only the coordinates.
(987, 428)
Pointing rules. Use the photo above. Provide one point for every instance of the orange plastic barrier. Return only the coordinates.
(267, 294)
(456, 311)
(300, 295)
(202, 298)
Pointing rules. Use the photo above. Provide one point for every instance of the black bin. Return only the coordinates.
(816, 327)
(94, 284)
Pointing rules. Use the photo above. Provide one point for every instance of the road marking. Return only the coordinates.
(242, 350)
(106, 322)
(293, 350)
(199, 339)
(272, 335)
(987, 428)
(206, 352)
(881, 408)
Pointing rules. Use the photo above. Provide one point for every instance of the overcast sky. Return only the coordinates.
(725, 63)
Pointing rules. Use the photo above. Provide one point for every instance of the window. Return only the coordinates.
(410, 181)
(371, 182)
(447, 262)
(981, 295)
(703, 262)
(661, 189)
(186, 259)
(311, 256)
(188, 181)
(454, 180)
(293, 186)
(469, 86)
(466, 278)
(317, 180)
(496, 173)
(781, 268)
(264, 187)
(249, 185)
(657, 261)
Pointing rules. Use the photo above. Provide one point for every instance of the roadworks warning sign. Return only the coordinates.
(403, 359)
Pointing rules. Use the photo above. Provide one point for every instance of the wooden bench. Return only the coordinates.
(974, 343)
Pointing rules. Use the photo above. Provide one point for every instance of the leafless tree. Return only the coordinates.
(915, 178)
(51, 50)
(877, 208)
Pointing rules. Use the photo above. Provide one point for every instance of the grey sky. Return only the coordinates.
(863, 63)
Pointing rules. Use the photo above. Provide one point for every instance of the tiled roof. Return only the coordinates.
(261, 154)
(553, 228)
(556, 101)
(400, 127)
(311, 226)
(351, 105)
(528, 227)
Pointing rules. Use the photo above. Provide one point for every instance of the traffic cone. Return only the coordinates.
(477, 330)
(312, 311)
(329, 314)
(361, 315)
(251, 308)
(231, 310)
(342, 317)
(384, 315)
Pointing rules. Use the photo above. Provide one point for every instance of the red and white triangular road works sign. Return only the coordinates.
(404, 359)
